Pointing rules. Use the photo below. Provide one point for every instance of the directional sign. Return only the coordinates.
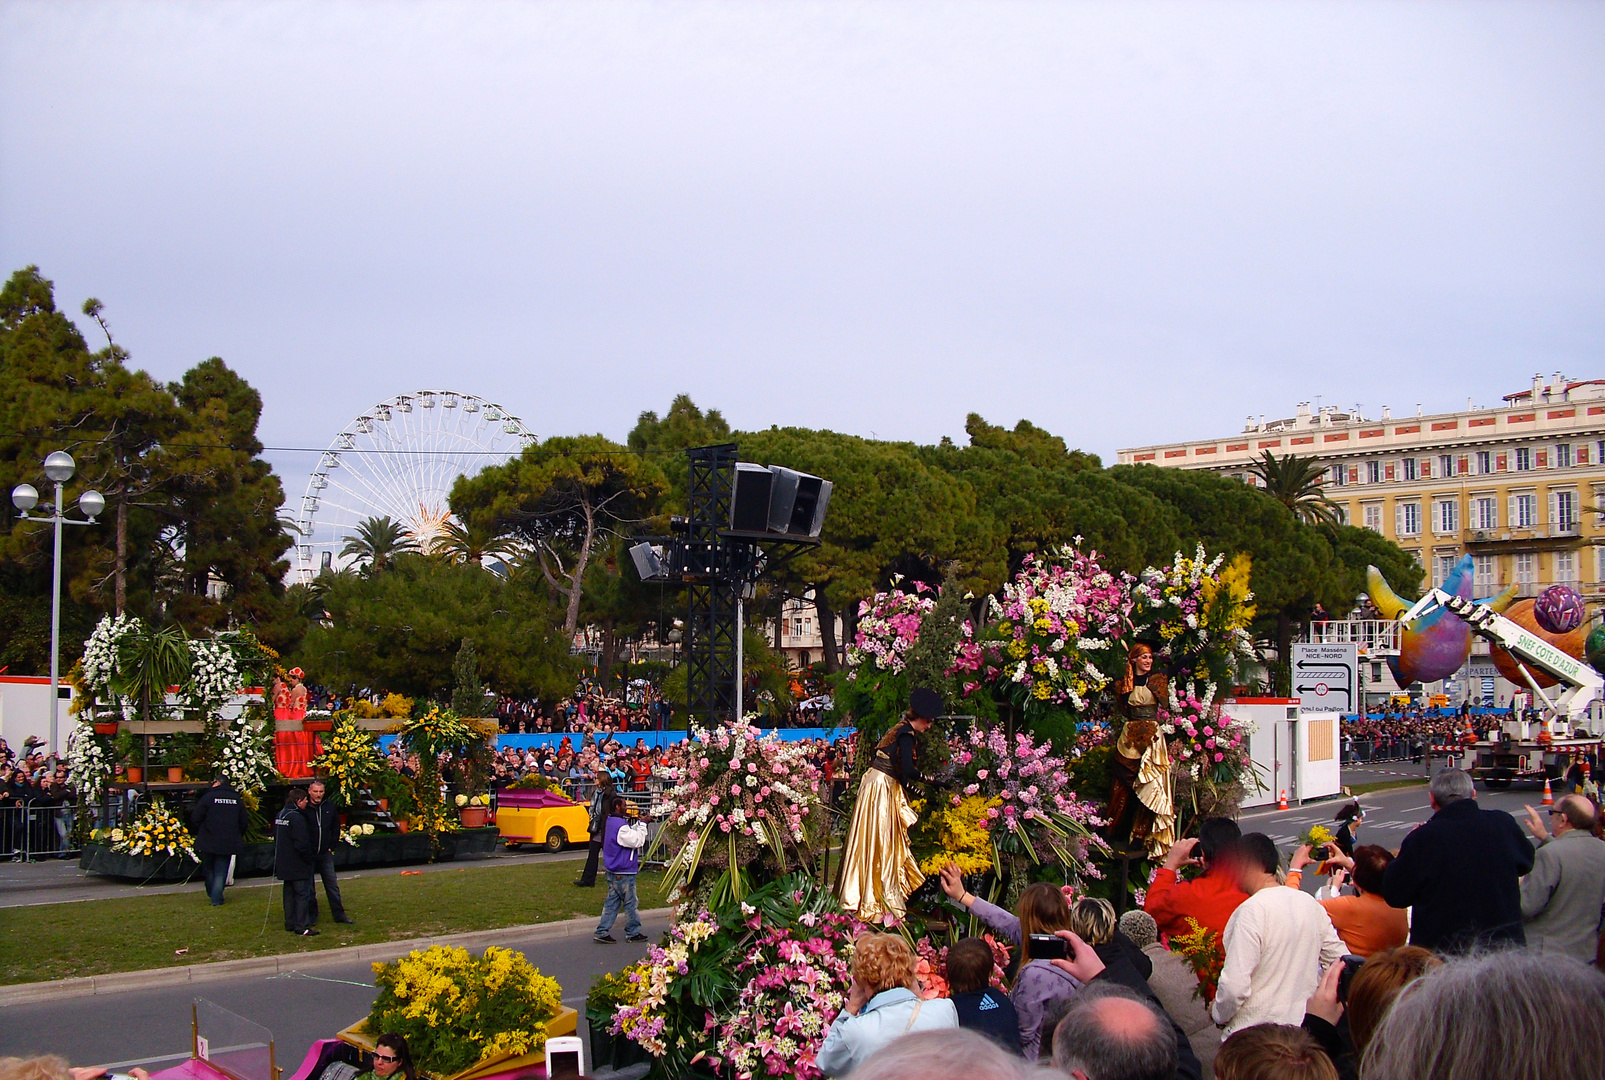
(1326, 677)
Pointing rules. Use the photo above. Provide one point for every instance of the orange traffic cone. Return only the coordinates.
(1281, 800)
(1549, 796)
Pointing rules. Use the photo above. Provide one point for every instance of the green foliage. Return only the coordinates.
(148, 662)
(402, 630)
(189, 503)
(378, 542)
(1298, 483)
(468, 697)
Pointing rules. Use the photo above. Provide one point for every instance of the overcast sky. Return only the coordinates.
(1127, 222)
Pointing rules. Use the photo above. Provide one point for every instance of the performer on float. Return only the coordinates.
(878, 868)
(297, 695)
(281, 699)
(1142, 811)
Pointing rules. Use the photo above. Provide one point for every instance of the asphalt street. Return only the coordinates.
(152, 1027)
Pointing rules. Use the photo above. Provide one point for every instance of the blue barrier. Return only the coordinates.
(653, 739)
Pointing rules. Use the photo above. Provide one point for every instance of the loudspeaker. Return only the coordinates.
(647, 563)
(749, 499)
(797, 502)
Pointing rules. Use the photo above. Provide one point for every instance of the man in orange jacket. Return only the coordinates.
(1209, 898)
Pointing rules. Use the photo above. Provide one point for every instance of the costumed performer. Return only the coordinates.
(1142, 809)
(878, 868)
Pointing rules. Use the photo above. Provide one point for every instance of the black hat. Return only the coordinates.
(926, 704)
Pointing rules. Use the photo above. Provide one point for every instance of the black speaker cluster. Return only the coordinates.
(776, 501)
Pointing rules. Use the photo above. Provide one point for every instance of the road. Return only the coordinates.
(152, 1027)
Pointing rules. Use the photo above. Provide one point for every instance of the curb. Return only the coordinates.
(120, 981)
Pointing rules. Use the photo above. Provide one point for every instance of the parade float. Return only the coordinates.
(1073, 674)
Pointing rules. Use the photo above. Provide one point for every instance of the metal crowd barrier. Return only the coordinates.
(30, 832)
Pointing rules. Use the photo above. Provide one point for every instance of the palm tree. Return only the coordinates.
(467, 543)
(1298, 483)
(378, 541)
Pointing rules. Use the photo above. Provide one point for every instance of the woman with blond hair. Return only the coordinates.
(883, 1005)
(1039, 989)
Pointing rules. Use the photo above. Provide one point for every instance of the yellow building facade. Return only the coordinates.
(1516, 487)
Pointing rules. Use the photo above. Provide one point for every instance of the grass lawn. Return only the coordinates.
(57, 941)
(1385, 785)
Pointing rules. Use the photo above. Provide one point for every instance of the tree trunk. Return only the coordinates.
(120, 587)
(577, 579)
(827, 629)
(1284, 654)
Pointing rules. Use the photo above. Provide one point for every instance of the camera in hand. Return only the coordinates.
(1049, 947)
(1321, 853)
(1351, 964)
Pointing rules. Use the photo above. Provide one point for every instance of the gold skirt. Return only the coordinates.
(878, 870)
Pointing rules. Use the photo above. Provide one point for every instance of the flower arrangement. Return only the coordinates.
(740, 800)
(90, 763)
(353, 834)
(1199, 613)
(439, 731)
(350, 759)
(100, 651)
(456, 1009)
(215, 674)
(158, 831)
(1209, 753)
(242, 755)
(1054, 640)
(888, 626)
(1037, 817)
(1203, 951)
(792, 979)
(471, 800)
(690, 1002)
(958, 833)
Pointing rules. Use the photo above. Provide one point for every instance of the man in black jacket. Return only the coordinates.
(293, 861)
(220, 823)
(1461, 871)
(324, 821)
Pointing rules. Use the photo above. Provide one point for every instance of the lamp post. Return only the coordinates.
(59, 468)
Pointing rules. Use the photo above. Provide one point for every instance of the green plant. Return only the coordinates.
(148, 662)
(468, 698)
(397, 790)
(455, 1009)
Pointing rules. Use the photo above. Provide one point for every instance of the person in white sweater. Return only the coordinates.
(1277, 943)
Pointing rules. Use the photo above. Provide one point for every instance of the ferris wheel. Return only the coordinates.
(399, 459)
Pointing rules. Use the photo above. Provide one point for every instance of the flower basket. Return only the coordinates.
(566, 1022)
(317, 725)
(105, 727)
(472, 817)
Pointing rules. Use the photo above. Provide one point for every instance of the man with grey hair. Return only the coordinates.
(1110, 1033)
(953, 1054)
(1511, 1014)
(1562, 897)
(1461, 871)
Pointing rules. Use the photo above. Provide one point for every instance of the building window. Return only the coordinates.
(1446, 465)
(1485, 513)
(1373, 472)
(1599, 564)
(1485, 571)
(1410, 469)
(1446, 516)
(1564, 509)
(1566, 568)
(1524, 459)
(1409, 519)
(1443, 566)
(1338, 475)
(1485, 462)
(1526, 569)
(1563, 455)
(1523, 511)
(1373, 519)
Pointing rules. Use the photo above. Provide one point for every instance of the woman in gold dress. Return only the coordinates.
(1142, 813)
(878, 869)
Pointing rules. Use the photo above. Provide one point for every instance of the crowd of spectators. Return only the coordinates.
(35, 802)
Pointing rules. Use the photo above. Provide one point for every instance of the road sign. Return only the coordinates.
(1326, 677)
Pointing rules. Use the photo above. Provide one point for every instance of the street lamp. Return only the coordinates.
(59, 467)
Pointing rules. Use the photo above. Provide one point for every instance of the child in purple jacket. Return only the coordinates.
(622, 842)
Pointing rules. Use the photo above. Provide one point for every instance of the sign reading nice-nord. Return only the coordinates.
(1326, 677)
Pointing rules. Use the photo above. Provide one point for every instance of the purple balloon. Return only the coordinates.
(1559, 609)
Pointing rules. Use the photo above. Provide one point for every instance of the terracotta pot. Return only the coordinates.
(401, 826)
(384, 804)
(135, 774)
(109, 728)
(175, 774)
(472, 817)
